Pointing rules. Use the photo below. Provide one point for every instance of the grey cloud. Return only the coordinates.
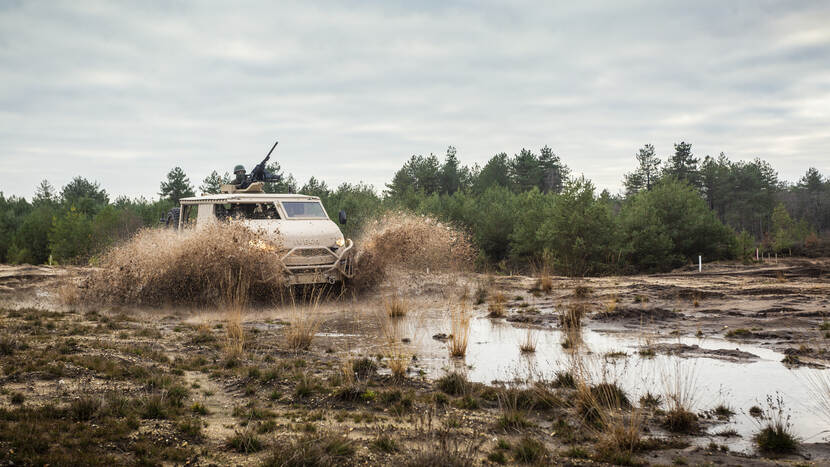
(121, 92)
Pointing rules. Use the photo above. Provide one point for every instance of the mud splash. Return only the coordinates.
(217, 264)
(408, 241)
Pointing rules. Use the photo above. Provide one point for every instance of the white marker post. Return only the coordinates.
(699, 263)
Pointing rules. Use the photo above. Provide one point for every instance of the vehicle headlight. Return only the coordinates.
(340, 242)
(260, 245)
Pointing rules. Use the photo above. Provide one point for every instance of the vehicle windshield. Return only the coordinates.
(304, 209)
(246, 211)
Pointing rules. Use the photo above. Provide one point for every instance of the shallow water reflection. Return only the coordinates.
(493, 354)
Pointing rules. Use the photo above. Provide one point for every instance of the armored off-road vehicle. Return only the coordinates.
(312, 247)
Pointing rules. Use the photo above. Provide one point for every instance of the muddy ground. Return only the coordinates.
(85, 384)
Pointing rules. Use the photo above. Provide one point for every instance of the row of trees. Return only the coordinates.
(71, 224)
(743, 194)
(521, 208)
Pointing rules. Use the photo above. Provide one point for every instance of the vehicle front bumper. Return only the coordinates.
(317, 265)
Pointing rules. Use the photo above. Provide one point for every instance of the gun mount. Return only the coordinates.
(256, 180)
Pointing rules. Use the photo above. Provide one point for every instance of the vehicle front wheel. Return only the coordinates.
(172, 220)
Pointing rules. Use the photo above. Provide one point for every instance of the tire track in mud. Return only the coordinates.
(219, 422)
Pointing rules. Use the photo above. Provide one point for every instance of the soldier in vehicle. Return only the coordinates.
(239, 171)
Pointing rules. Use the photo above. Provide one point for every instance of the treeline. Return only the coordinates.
(70, 225)
(520, 209)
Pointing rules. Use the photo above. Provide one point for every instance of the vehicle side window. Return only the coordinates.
(246, 211)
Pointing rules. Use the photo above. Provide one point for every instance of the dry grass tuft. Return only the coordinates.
(546, 284)
(607, 413)
(236, 301)
(69, 293)
(193, 267)
(583, 291)
(408, 241)
(460, 328)
(611, 306)
(396, 306)
(571, 317)
(776, 435)
(304, 320)
(529, 344)
(496, 305)
(819, 384)
(235, 338)
(397, 358)
(680, 390)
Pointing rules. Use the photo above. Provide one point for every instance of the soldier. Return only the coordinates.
(239, 171)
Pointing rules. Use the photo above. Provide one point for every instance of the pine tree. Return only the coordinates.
(525, 171)
(494, 172)
(554, 172)
(453, 176)
(646, 174)
(177, 186)
(44, 193)
(315, 187)
(683, 165)
(87, 197)
(212, 184)
(287, 183)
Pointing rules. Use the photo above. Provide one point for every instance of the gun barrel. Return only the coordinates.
(272, 149)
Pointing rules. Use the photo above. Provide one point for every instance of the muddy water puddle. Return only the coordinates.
(738, 376)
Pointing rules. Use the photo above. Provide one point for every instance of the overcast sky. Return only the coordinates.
(123, 92)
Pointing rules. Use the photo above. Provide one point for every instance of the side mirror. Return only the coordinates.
(342, 217)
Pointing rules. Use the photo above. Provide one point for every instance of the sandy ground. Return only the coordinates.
(268, 402)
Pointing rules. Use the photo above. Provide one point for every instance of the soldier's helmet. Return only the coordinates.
(239, 168)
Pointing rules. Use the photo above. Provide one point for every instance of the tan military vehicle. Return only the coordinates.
(313, 249)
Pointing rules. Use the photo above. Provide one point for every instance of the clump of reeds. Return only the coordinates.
(514, 410)
(582, 291)
(409, 241)
(364, 368)
(483, 290)
(496, 305)
(621, 436)
(192, 267)
(819, 385)
(347, 372)
(324, 449)
(235, 337)
(304, 320)
(236, 301)
(460, 316)
(680, 391)
(647, 340)
(69, 293)
(546, 283)
(396, 306)
(611, 306)
(530, 451)
(571, 316)
(397, 358)
(776, 435)
(572, 339)
(529, 343)
(454, 384)
(606, 411)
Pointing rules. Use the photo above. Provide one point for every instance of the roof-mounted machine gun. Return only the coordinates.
(255, 180)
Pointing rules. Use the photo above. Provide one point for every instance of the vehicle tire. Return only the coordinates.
(172, 221)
